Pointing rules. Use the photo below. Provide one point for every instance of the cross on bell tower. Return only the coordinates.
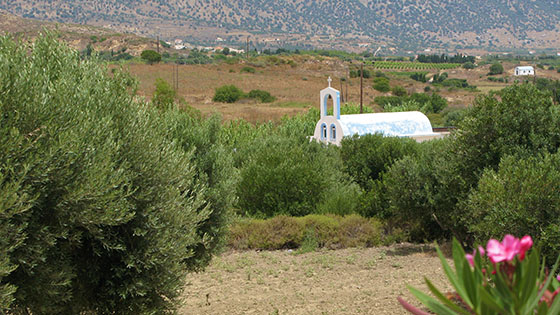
(329, 80)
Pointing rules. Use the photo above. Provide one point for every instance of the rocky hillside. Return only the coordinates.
(407, 24)
(77, 35)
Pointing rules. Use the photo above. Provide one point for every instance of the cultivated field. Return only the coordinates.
(297, 87)
(348, 281)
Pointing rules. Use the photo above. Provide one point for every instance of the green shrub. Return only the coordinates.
(495, 79)
(283, 175)
(415, 195)
(436, 119)
(280, 232)
(419, 76)
(469, 65)
(383, 101)
(522, 122)
(423, 102)
(379, 74)
(521, 198)
(356, 73)
(365, 159)
(227, 94)
(213, 164)
(164, 95)
(307, 233)
(407, 106)
(524, 119)
(553, 86)
(150, 56)
(454, 117)
(496, 68)
(433, 103)
(263, 96)
(399, 91)
(247, 70)
(381, 84)
(341, 200)
(438, 78)
(101, 212)
(459, 83)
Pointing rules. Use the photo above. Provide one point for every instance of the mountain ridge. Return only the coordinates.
(406, 24)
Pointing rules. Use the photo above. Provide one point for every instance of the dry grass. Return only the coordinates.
(294, 87)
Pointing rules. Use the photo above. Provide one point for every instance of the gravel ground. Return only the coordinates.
(348, 281)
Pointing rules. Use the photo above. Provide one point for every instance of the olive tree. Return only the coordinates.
(100, 211)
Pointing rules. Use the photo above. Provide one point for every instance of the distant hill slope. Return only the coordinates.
(408, 24)
(76, 35)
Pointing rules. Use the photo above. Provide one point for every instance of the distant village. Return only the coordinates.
(179, 44)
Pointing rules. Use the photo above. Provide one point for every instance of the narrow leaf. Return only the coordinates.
(444, 299)
(535, 301)
(431, 303)
(490, 302)
(453, 278)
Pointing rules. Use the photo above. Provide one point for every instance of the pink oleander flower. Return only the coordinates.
(508, 248)
(470, 257)
(524, 245)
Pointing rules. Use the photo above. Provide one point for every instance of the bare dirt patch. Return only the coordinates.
(348, 281)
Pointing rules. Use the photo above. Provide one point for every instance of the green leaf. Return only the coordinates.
(445, 300)
(469, 283)
(533, 304)
(459, 259)
(555, 307)
(528, 281)
(453, 278)
(490, 301)
(431, 303)
(543, 309)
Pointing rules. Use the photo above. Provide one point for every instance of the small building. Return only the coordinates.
(333, 128)
(524, 70)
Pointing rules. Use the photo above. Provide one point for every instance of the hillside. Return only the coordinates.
(404, 24)
(76, 35)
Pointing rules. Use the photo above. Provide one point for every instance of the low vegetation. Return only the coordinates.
(496, 68)
(232, 94)
(396, 65)
(424, 102)
(150, 56)
(311, 231)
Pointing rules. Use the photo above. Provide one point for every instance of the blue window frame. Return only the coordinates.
(323, 131)
(333, 132)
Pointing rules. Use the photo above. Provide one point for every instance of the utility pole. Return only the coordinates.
(176, 78)
(341, 91)
(348, 78)
(158, 44)
(247, 50)
(361, 88)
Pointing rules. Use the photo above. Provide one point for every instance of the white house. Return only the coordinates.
(524, 70)
(332, 128)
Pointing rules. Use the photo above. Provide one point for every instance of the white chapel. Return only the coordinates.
(332, 128)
